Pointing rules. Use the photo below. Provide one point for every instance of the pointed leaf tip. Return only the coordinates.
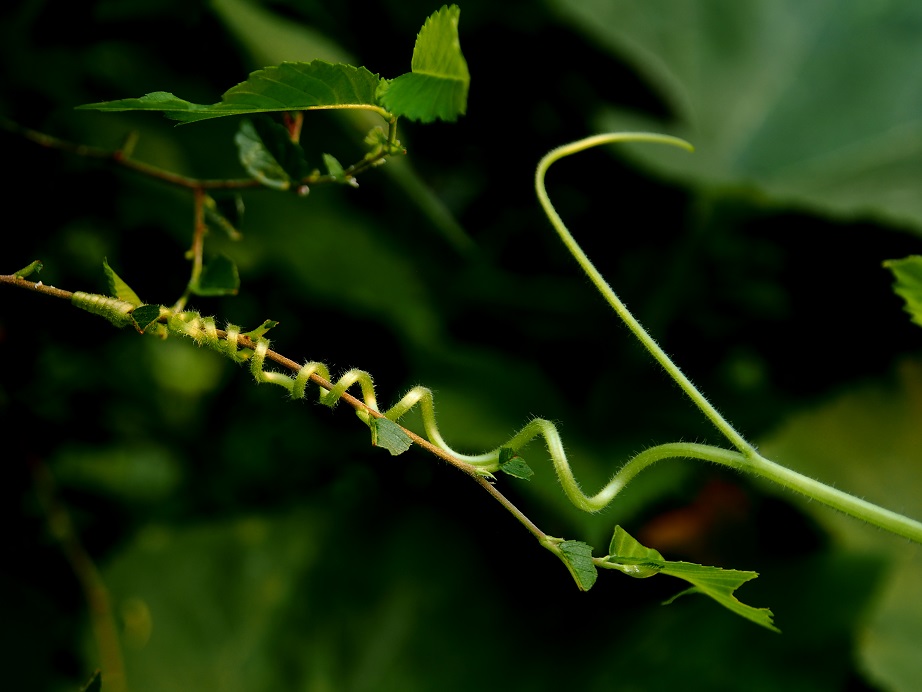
(118, 288)
(628, 555)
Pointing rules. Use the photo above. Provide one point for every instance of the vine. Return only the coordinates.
(271, 155)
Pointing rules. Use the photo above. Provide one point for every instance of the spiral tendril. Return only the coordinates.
(204, 332)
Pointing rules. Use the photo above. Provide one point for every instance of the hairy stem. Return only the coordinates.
(607, 292)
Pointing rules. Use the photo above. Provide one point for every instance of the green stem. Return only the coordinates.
(607, 292)
(746, 459)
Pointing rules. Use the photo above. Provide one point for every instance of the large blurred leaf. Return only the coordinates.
(291, 86)
(815, 103)
(869, 442)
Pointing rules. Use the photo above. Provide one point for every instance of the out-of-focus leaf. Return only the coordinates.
(219, 277)
(273, 38)
(261, 158)
(135, 473)
(437, 85)
(387, 434)
(767, 91)
(94, 684)
(226, 213)
(908, 273)
(118, 288)
(291, 86)
(869, 442)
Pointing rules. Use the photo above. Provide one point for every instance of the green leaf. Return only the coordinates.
(94, 684)
(219, 277)
(118, 288)
(629, 556)
(290, 86)
(334, 167)
(513, 465)
(132, 472)
(908, 273)
(438, 82)
(255, 334)
(387, 434)
(719, 584)
(145, 315)
(267, 153)
(767, 93)
(35, 266)
(577, 556)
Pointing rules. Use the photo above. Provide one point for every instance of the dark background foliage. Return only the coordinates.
(250, 542)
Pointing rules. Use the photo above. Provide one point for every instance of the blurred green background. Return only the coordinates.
(254, 543)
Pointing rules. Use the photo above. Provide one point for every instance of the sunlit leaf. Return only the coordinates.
(908, 273)
(118, 288)
(390, 436)
(291, 86)
(439, 79)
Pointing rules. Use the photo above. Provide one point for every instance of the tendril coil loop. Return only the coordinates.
(204, 332)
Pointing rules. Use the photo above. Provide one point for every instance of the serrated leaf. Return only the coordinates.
(390, 436)
(35, 266)
(628, 555)
(118, 288)
(219, 277)
(437, 85)
(577, 556)
(908, 273)
(290, 86)
(145, 315)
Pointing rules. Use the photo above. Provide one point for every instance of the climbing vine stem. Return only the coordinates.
(746, 458)
(602, 285)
